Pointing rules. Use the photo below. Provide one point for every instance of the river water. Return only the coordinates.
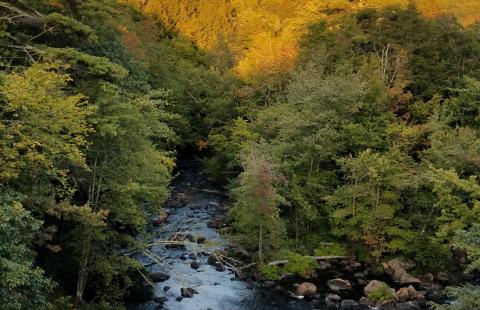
(217, 290)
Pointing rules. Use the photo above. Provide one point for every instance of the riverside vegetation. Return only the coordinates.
(341, 128)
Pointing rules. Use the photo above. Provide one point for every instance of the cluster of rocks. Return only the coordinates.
(185, 292)
(412, 293)
(360, 290)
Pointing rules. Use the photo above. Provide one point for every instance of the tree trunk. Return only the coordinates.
(260, 244)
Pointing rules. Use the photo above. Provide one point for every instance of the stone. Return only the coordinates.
(306, 289)
(195, 265)
(359, 275)
(188, 292)
(367, 302)
(420, 298)
(179, 298)
(332, 300)
(268, 284)
(213, 260)
(184, 256)
(323, 266)
(158, 277)
(220, 268)
(166, 288)
(216, 223)
(442, 277)
(372, 286)
(190, 237)
(397, 268)
(159, 220)
(160, 300)
(405, 294)
(348, 304)
(338, 285)
(407, 306)
(201, 239)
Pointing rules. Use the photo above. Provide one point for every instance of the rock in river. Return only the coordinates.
(405, 294)
(188, 292)
(338, 285)
(158, 277)
(306, 289)
(195, 265)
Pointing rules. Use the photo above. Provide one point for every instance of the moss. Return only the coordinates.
(298, 264)
(382, 293)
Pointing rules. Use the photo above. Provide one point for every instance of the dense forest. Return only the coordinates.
(338, 128)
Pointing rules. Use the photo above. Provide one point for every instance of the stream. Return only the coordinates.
(217, 289)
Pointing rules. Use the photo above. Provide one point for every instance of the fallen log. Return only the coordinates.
(318, 258)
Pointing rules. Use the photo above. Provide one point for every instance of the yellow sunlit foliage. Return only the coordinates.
(263, 35)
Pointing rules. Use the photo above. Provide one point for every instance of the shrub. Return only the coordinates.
(382, 293)
(328, 249)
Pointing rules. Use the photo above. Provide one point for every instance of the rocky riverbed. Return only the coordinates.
(189, 268)
(187, 265)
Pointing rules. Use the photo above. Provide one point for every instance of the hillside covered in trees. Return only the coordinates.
(338, 128)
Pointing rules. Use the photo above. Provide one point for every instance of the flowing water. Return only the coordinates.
(217, 290)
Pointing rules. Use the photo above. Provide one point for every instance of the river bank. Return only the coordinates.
(191, 266)
(182, 265)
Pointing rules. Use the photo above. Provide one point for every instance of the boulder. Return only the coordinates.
(166, 288)
(442, 277)
(268, 284)
(158, 277)
(195, 265)
(372, 286)
(349, 304)
(398, 264)
(323, 266)
(332, 300)
(397, 268)
(159, 220)
(306, 289)
(420, 299)
(201, 239)
(188, 292)
(338, 285)
(367, 302)
(160, 300)
(405, 294)
(213, 260)
(216, 223)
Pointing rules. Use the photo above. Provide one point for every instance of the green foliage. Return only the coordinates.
(298, 265)
(466, 298)
(457, 201)
(382, 293)
(429, 254)
(22, 285)
(367, 208)
(255, 213)
(68, 25)
(331, 249)
(470, 241)
(43, 127)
